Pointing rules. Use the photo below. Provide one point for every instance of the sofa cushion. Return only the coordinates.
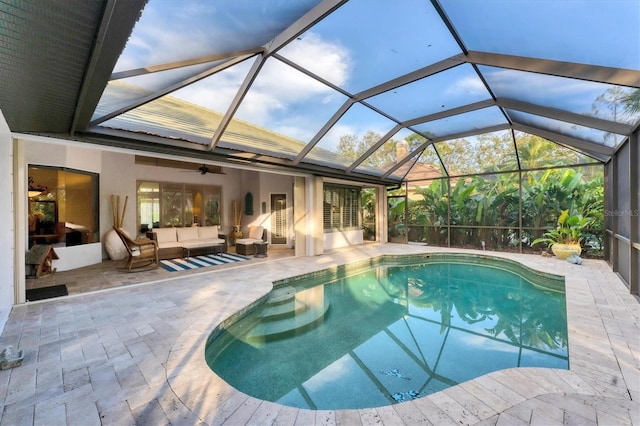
(165, 235)
(187, 234)
(209, 242)
(208, 232)
(255, 232)
(247, 241)
(169, 244)
(243, 241)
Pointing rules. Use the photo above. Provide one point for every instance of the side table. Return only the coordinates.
(261, 249)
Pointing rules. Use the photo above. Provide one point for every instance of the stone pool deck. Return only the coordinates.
(135, 355)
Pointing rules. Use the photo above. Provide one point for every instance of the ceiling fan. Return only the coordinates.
(204, 169)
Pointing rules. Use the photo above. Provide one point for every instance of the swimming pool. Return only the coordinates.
(393, 329)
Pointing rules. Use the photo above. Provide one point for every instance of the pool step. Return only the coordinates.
(281, 310)
(282, 303)
(280, 295)
(284, 314)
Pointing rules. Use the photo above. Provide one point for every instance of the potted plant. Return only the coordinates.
(236, 232)
(565, 240)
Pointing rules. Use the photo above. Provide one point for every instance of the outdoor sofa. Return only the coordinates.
(186, 241)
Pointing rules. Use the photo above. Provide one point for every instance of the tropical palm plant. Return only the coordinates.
(568, 231)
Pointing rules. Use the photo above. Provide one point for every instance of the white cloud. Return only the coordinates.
(280, 87)
(278, 95)
(216, 92)
(257, 107)
(277, 89)
(286, 83)
(330, 61)
(169, 32)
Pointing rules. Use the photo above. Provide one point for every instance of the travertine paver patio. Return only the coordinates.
(135, 355)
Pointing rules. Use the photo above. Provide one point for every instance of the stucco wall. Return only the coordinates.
(119, 175)
(333, 240)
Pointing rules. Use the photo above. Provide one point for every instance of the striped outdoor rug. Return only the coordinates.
(194, 262)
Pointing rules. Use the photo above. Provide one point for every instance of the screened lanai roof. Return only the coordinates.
(329, 87)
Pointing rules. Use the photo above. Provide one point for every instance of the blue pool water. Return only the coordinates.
(392, 333)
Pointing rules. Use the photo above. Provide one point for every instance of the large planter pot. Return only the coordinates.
(114, 246)
(236, 234)
(563, 251)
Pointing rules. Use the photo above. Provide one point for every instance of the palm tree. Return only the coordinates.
(631, 102)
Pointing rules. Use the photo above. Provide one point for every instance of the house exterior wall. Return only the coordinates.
(119, 175)
(334, 240)
(250, 181)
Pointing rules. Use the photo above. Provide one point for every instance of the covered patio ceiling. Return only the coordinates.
(299, 84)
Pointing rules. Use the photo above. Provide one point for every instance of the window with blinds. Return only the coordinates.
(278, 219)
(341, 208)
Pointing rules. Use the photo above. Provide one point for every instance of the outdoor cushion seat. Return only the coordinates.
(245, 245)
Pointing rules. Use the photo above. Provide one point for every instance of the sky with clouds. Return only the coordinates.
(408, 35)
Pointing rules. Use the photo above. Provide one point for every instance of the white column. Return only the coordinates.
(7, 240)
(300, 226)
(381, 215)
(315, 225)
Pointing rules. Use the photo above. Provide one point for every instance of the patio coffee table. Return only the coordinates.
(216, 248)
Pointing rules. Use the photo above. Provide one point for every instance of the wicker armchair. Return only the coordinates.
(142, 251)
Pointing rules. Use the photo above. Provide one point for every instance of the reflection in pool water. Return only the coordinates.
(392, 334)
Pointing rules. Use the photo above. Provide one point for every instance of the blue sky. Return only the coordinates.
(367, 42)
(597, 32)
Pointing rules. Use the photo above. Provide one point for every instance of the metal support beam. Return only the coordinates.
(308, 147)
(117, 23)
(374, 148)
(181, 64)
(316, 14)
(634, 240)
(235, 104)
(613, 187)
(450, 112)
(577, 144)
(566, 116)
(221, 156)
(432, 69)
(160, 93)
(471, 132)
(618, 76)
(416, 153)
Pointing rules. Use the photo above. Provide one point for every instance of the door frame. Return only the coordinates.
(287, 218)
